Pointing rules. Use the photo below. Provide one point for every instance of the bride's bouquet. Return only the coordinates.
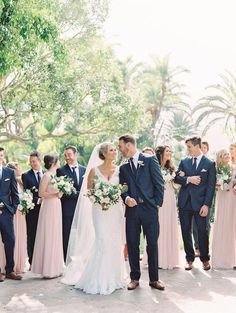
(167, 175)
(63, 184)
(26, 201)
(223, 177)
(105, 194)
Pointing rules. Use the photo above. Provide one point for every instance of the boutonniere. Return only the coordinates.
(34, 189)
(140, 163)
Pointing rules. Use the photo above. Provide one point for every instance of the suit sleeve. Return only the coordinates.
(181, 180)
(158, 181)
(25, 181)
(211, 185)
(122, 182)
(14, 192)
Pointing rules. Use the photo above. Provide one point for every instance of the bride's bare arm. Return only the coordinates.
(43, 193)
(91, 178)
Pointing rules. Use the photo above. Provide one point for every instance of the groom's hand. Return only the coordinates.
(203, 211)
(195, 180)
(131, 202)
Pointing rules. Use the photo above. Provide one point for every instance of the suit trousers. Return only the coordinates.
(186, 216)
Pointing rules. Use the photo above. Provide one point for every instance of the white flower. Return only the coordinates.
(140, 163)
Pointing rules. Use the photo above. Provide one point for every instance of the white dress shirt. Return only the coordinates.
(198, 160)
(135, 159)
(36, 173)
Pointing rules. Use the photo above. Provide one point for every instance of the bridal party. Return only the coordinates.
(84, 224)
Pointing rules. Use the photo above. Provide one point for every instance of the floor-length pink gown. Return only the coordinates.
(48, 251)
(224, 230)
(168, 242)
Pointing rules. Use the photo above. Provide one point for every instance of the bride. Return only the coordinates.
(95, 261)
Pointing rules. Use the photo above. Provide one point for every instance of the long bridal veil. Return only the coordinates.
(82, 235)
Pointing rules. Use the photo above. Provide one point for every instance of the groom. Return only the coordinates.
(143, 177)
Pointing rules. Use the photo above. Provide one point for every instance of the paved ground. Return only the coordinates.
(196, 291)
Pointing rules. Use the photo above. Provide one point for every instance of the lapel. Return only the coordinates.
(69, 172)
(36, 184)
(3, 176)
(80, 174)
(200, 166)
(129, 170)
(139, 170)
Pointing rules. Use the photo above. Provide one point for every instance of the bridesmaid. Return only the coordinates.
(224, 239)
(20, 252)
(48, 250)
(168, 242)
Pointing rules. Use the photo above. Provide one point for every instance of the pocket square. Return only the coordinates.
(6, 179)
(203, 170)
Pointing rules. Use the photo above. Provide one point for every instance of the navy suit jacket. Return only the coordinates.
(30, 182)
(147, 186)
(9, 195)
(69, 202)
(203, 193)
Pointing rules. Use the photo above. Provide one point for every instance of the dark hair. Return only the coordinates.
(206, 144)
(160, 150)
(1, 149)
(128, 138)
(73, 148)
(49, 160)
(35, 154)
(194, 140)
(148, 149)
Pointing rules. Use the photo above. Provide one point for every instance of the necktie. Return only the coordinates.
(38, 177)
(133, 168)
(194, 164)
(74, 174)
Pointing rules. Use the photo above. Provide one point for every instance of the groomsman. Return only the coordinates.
(76, 172)
(197, 177)
(31, 180)
(9, 200)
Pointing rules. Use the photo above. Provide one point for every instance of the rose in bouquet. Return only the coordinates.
(105, 194)
(223, 177)
(63, 184)
(26, 202)
(167, 175)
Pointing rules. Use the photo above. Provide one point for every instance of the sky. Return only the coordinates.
(199, 35)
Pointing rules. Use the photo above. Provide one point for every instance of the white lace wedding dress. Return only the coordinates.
(105, 268)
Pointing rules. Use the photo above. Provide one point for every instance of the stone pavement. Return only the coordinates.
(195, 291)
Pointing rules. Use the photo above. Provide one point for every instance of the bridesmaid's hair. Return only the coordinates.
(12, 165)
(148, 149)
(234, 146)
(103, 149)
(219, 157)
(128, 138)
(49, 160)
(160, 150)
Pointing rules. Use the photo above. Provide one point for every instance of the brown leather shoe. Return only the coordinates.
(206, 265)
(189, 266)
(13, 276)
(133, 285)
(157, 285)
(2, 277)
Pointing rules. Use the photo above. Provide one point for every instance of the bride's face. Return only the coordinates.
(111, 153)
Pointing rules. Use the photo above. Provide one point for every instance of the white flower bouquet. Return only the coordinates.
(223, 177)
(105, 194)
(167, 175)
(63, 184)
(26, 201)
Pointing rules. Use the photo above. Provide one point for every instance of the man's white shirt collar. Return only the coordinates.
(198, 159)
(135, 158)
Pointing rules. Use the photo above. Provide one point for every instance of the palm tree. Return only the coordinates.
(162, 91)
(130, 72)
(220, 106)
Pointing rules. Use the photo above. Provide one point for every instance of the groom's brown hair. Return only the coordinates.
(128, 138)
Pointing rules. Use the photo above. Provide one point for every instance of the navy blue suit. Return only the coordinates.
(69, 203)
(147, 188)
(30, 182)
(190, 200)
(9, 197)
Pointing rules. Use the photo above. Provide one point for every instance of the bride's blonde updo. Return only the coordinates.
(103, 149)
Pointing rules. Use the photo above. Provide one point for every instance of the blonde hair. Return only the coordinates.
(234, 146)
(219, 157)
